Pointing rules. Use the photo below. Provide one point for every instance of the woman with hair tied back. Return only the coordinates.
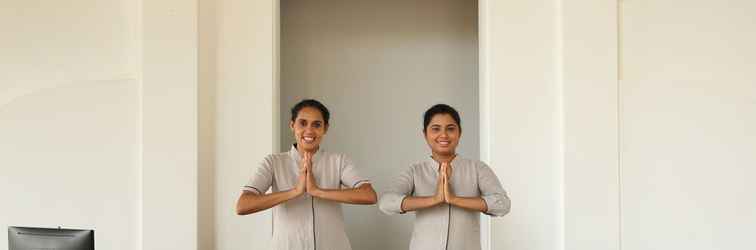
(447, 191)
(308, 186)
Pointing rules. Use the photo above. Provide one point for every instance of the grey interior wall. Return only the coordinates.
(378, 65)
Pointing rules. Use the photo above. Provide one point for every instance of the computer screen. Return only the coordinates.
(30, 238)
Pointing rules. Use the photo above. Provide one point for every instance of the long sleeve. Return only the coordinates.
(492, 193)
(401, 186)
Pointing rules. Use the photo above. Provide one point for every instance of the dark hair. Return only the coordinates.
(440, 109)
(313, 104)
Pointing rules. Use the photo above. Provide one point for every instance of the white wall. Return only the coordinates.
(377, 73)
(169, 124)
(590, 124)
(520, 111)
(687, 119)
(98, 120)
(54, 142)
(238, 120)
(207, 112)
(69, 118)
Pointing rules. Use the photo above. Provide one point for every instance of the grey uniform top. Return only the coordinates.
(305, 223)
(445, 226)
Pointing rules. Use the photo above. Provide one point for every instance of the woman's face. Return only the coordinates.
(442, 134)
(308, 128)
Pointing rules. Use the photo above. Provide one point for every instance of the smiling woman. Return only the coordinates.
(446, 189)
(442, 128)
(308, 186)
(309, 122)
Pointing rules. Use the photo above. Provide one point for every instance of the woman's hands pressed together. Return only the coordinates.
(310, 185)
(306, 181)
(306, 184)
(445, 170)
(444, 193)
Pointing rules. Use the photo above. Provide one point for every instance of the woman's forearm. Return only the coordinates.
(471, 203)
(363, 194)
(252, 203)
(414, 203)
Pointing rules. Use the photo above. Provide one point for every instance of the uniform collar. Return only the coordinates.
(294, 153)
(437, 165)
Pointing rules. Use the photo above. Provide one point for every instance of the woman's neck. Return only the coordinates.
(301, 151)
(443, 157)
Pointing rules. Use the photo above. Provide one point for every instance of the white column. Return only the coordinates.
(169, 125)
(246, 85)
(590, 124)
(520, 106)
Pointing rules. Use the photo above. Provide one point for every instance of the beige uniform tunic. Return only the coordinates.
(305, 223)
(446, 227)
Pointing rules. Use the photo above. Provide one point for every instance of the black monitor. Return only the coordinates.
(28, 238)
